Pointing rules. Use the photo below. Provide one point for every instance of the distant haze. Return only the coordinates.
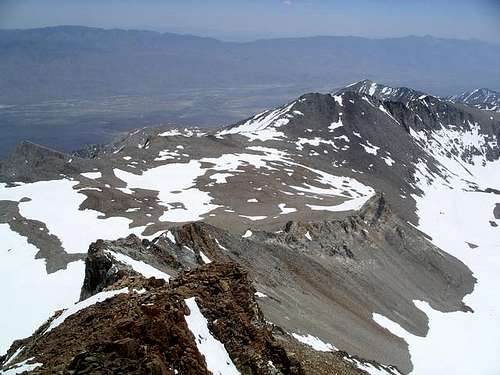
(68, 86)
(81, 62)
(253, 19)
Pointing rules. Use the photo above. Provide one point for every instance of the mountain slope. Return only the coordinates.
(318, 199)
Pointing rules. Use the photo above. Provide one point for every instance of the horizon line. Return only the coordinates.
(250, 40)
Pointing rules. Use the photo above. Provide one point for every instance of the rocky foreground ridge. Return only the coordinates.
(142, 326)
(143, 329)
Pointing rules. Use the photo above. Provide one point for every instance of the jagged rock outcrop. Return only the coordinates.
(103, 269)
(175, 250)
(144, 330)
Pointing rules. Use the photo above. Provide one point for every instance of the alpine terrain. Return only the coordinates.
(353, 232)
(480, 98)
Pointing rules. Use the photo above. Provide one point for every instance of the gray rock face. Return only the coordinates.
(31, 162)
(101, 271)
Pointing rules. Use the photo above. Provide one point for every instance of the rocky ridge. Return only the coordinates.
(142, 326)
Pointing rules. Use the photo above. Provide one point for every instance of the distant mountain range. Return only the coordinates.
(75, 62)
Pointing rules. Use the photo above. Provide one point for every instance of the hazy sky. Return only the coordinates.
(250, 19)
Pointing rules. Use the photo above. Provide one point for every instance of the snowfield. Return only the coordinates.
(76, 228)
(314, 342)
(175, 183)
(455, 216)
(30, 296)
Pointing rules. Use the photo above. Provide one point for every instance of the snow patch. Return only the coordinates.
(336, 124)
(314, 342)
(220, 178)
(263, 126)
(316, 141)
(388, 160)
(175, 183)
(139, 266)
(247, 234)
(61, 219)
(285, 210)
(369, 148)
(22, 367)
(92, 175)
(371, 369)
(99, 297)
(338, 99)
(253, 218)
(218, 244)
(171, 237)
(216, 356)
(204, 258)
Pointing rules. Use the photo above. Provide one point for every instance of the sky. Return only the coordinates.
(253, 19)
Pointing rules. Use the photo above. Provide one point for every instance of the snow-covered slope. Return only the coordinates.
(29, 294)
(459, 211)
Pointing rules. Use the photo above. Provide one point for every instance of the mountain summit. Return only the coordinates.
(382, 92)
(480, 98)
